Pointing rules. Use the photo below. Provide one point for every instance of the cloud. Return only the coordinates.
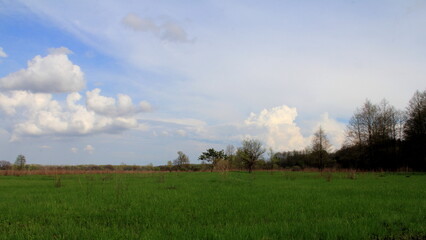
(181, 132)
(333, 129)
(51, 74)
(277, 128)
(139, 24)
(34, 111)
(183, 127)
(144, 106)
(40, 115)
(14, 101)
(2, 53)
(110, 107)
(173, 32)
(167, 31)
(89, 149)
(45, 147)
(74, 150)
(59, 51)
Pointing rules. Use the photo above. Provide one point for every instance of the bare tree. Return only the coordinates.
(361, 126)
(230, 150)
(387, 120)
(231, 157)
(320, 148)
(374, 123)
(415, 129)
(182, 161)
(401, 118)
(354, 131)
(369, 120)
(250, 152)
(375, 131)
(5, 165)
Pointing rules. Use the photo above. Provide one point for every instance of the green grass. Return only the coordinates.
(237, 205)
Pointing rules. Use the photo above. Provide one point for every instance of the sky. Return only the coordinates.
(134, 82)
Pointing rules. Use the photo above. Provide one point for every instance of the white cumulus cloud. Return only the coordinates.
(334, 130)
(110, 107)
(74, 150)
(278, 129)
(37, 114)
(51, 74)
(13, 101)
(2, 53)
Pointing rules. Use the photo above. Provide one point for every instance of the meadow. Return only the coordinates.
(204, 205)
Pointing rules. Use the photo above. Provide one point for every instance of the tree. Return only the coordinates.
(212, 156)
(5, 165)
(374, 124)
(415, 126)
(250, 152)
(231, 157)
(375, 133)
(415, 130)
(170, 166)
(230, 151)
(20, 162)
(272, 159)
(182, 161)
(320, 148)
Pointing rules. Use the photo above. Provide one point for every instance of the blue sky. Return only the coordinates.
(134, 82)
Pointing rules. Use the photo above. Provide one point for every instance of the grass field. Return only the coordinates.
(236, 205)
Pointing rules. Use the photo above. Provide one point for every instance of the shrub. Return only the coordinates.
(109, 167)
(222, 165)
(296, 168)
(58, 182)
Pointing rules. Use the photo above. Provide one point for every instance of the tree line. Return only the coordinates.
(378, 137)
(381, 137)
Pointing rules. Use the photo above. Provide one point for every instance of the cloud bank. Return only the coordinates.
(27, 99)
(39, 114)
